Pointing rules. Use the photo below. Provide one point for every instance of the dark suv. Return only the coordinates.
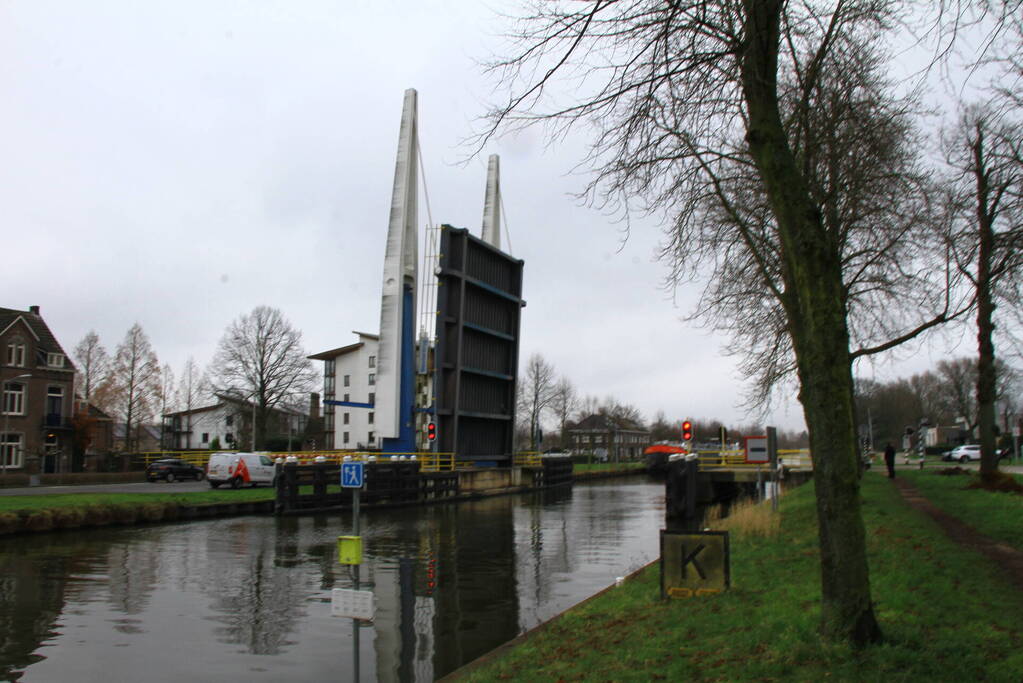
(171, 469)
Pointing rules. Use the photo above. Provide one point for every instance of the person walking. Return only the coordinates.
(889, 459)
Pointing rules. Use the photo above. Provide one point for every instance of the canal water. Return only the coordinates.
(248, 598)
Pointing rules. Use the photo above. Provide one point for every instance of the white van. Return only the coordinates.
(236, 469)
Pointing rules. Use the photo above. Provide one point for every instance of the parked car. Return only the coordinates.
(172, 469)
(236, 469)
(972, 452)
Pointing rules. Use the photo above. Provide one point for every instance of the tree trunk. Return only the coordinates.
(985, 315)
(814, 303)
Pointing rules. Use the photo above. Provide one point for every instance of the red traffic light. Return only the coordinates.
(431, 431)
(687, 431)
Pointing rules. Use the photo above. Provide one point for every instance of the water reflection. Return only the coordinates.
(249, 597)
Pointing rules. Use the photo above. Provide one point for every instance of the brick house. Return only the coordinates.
(37, 384)
(609, 438)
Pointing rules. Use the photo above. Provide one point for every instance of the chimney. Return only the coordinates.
(314, 405)
(33, 309)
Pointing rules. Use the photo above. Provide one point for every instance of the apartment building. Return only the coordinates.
(349, 375)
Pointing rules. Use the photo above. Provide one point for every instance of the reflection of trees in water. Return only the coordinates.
(560, 532)
(35, 584)
(257, 598)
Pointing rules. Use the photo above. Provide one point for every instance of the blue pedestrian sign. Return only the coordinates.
(351, 475)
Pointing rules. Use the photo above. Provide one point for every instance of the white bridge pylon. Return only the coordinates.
(398, 299)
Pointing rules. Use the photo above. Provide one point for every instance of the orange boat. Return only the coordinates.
(657, 455)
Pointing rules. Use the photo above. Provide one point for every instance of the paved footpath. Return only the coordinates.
(1009, 558)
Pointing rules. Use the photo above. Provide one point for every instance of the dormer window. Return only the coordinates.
(55, 360)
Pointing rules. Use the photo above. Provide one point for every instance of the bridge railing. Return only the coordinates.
(527, 459)
(792, 458)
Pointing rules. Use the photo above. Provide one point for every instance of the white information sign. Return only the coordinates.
(756, 449)
(352, 604)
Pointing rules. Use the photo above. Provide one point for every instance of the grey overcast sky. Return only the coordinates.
(179, 163)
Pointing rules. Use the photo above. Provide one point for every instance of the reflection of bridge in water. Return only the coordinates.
(219, 599)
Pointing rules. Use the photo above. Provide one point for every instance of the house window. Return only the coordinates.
(205, 437)
(330, 441)
(229, 438)
(16, 354)
(328, 368)
(328, 422)
(344, 437)
(372, 378)
(229, 421)
(328, 408)
(372, 361)
(14, 398)
(372, 438)
(54, 406)
(347, 399)
(372, 398)
(348, 380)
(329, 384)
(55, 360)
(345, 418)
(10, 450)
(371, 418)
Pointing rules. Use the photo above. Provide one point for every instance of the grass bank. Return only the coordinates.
(947, 613)
(995, 514)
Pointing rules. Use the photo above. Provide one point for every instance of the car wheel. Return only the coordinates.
(214, 484)
(170, 477)
(964, 459)
(236, 482)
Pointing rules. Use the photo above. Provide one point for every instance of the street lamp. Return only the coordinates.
(7, 416)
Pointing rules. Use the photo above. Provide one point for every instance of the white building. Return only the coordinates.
(349, 375)
(229, 423)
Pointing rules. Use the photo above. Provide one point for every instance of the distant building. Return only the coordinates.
(144, 439)
(229, 423)
(37, 384)
(349, 375)
(94, 435)
(608, 438)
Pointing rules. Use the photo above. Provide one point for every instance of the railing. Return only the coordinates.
(527, 459)
(430, 462)
(792, 458)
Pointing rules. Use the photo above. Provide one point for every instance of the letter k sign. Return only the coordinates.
(691, 557)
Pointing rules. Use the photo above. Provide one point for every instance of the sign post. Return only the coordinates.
(354, 603)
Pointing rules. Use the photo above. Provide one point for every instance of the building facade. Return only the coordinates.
(608, 438)
(349, 375)
(37, 385)
(227, 424)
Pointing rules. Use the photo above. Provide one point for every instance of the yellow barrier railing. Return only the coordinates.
(792, 458)
(527, 459)
(199, 458)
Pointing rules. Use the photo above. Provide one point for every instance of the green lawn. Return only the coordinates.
(998, 515)
(62, 500)
(947, 614)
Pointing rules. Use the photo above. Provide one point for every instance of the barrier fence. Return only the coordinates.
(429, 461)
(793, 458)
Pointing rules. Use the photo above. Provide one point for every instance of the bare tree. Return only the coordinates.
(192, 387)
(769, 135)
(986, 152)
(93, 363)
(133, 387)
(538, 387)
(563, 404)
(260, 358)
